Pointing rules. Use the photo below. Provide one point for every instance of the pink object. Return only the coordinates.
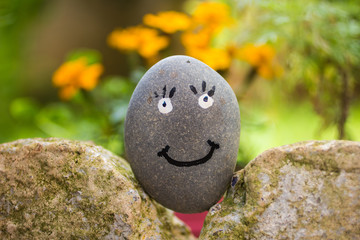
(195, 221)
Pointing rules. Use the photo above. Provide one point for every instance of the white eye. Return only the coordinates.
(165, 105)
(205, 101)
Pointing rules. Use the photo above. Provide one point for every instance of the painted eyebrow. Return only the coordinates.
(172, 92)
(203, 86)
(193, 89)
(164, 91)
(211, 92)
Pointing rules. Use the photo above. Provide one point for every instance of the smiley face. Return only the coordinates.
(165, 106)
(182, 133)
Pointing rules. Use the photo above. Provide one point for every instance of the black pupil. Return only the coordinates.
(206, 98)
(164, 104)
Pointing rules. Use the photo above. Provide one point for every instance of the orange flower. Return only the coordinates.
(196, 38)
(262, 57)
(270, 71)
(68, 72)
(67, 92)
(257, 55)
(126, 39)
(207, 20)
(217, 59)
(144, 40)
(76, 74)
(89, 78)
(200, 29)
(214, 15)
(169, 21)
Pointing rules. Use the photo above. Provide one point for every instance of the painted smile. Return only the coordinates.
(164, 153)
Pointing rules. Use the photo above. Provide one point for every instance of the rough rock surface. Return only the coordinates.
(308, 190)
(60, 189)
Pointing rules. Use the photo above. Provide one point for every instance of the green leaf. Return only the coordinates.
(24, 109)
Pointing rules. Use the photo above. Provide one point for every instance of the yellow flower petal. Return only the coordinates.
(265, 71)
(215, 15)
(125, 39)
(89, 78)
(262, 57)
(67, 92)
(269, 71)
(76, 74)
(68, 72)
(152, 46)
(144, 40)
(257, 55)
(168, 22)
(196, 38)
(217, 59)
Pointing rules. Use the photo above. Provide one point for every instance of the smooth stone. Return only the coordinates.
(182, 142)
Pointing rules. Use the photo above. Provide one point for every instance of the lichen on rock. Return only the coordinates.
(307, 190)
(53, 188)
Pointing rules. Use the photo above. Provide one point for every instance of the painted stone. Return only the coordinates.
(182, 133)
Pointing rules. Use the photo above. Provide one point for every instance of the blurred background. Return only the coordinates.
(68, 67)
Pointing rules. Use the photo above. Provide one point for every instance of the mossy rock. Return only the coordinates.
(307, 190)
(61, 189)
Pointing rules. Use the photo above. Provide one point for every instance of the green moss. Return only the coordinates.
(68, 193)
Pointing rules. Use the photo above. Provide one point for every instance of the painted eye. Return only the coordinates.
(205, 101)
(165, 105)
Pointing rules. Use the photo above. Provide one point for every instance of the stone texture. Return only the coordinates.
(166, 132)
(308, 190)
(60, 189)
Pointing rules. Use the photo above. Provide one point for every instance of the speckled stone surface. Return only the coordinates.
(182, 134)
(306, 190)
(62, 189)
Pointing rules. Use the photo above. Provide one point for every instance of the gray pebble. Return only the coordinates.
(182, 133)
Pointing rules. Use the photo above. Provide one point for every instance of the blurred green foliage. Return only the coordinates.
(318, 44)
(317, 97)
(14, 18)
